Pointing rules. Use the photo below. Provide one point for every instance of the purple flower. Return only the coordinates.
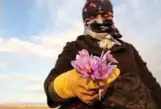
(93, 66)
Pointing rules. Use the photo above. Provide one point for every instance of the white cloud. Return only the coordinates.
(4, 64)
(15, 45)
(20, 88)
(1, 40)
(35, 89)
(22, 77)
(44, 46)
(57, 40)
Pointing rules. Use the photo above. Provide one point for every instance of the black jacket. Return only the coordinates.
(136, 88)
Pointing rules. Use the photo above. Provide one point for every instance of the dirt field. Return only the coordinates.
(24, 107)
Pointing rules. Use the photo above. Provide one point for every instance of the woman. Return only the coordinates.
(133, 88)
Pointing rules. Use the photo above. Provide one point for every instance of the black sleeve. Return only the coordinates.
(148, 79)
(62, 65)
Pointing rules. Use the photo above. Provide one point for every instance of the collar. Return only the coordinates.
(91, 45)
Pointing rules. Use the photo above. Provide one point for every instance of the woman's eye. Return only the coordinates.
(106, 15)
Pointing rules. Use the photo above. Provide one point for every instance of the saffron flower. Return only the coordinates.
(94, 67)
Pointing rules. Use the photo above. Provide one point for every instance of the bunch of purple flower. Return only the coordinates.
(94, 67)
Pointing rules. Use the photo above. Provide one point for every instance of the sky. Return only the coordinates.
(33, 33)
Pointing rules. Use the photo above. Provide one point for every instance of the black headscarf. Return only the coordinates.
(103, 8)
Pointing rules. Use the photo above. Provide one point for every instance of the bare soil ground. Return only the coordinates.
(23, 106)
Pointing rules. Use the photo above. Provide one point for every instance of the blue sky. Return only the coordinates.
(33, 33)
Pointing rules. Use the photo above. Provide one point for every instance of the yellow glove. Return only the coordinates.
(112, 77)
(71, 84)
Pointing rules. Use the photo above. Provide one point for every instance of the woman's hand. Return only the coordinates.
(112, 77)
(72, 84)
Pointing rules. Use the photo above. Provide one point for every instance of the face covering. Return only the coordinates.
(98, 22)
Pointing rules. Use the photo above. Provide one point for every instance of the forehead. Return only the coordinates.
(97, 7)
